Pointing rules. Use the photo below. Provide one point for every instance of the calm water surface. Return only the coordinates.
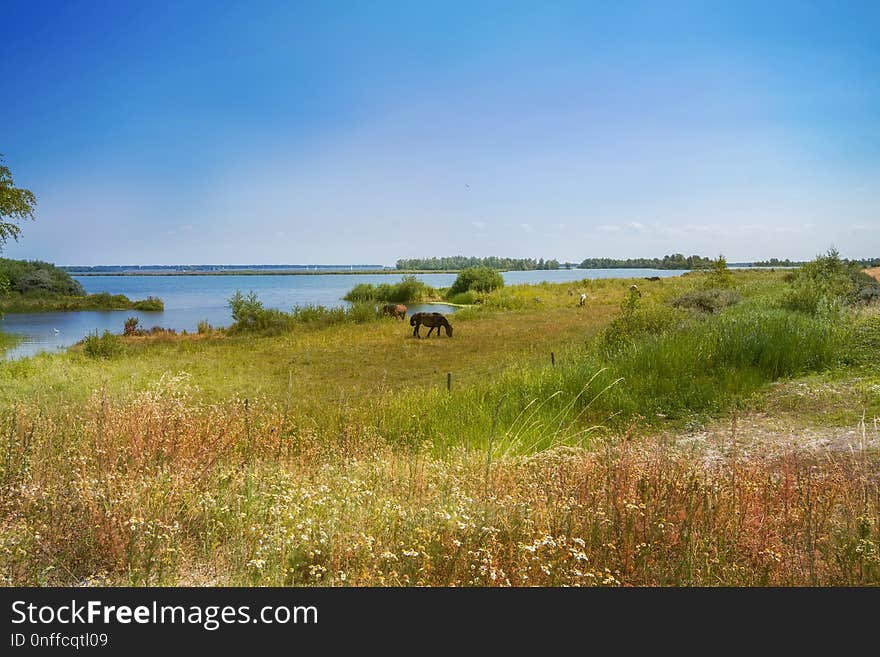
(191, 299)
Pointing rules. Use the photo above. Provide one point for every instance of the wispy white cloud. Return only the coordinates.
(527, 228)
(180, 229)
(711, 230)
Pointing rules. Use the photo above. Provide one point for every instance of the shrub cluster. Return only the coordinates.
(107, 345)
(152, 304)
(249, 315)
(828, 281)
(408, 290)
(476, 279)
(713, 300)
(132, 327)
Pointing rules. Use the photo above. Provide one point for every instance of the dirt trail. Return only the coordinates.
(762, 436)
(873, 271)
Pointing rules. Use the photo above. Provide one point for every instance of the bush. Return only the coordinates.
(204, 327)
(131, 327)
(152, 304)
(107, 345)
(362, 292)
(825, 280)
(719, 274)
(408, 290)
(478, 279)
(868, 294)
(707, 301)
(249, 315)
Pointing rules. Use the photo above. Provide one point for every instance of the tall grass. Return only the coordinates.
(161, 490)
(654, 371)
(320, 316)
(250, 316)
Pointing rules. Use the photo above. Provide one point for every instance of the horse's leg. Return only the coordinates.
(430, 330)
(416, 331)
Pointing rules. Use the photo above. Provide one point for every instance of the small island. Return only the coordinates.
(29, 286)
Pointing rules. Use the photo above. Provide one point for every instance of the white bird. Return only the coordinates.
(55, 331)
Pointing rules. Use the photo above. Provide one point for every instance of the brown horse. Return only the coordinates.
(396, 310)
(433, 320)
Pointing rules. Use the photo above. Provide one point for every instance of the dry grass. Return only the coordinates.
(164, 490)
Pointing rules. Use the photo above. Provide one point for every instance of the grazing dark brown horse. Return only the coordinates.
(396, 310)
(433, 320)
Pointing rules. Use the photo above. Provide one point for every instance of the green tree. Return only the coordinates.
(719, 274)
(478, 279)
(16, 205)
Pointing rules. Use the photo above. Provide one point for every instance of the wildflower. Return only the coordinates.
(257, 564)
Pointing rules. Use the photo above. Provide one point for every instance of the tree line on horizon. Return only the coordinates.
(464, 262)
(671, 261)
(674, 261)
(776, 262)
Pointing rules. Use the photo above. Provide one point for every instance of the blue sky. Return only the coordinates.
(364, 132)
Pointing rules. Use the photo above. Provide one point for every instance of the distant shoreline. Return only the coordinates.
(258, 272)
(376, 272)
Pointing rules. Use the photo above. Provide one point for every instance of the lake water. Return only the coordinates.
(191, 299)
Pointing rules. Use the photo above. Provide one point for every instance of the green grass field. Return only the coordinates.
(333, 454)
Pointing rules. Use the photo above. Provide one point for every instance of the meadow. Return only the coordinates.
(715, 429)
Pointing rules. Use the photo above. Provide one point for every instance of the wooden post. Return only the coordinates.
(449, 381)
(553, 359)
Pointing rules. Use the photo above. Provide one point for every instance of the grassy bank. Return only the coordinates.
(330, 452)
(102, 301)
